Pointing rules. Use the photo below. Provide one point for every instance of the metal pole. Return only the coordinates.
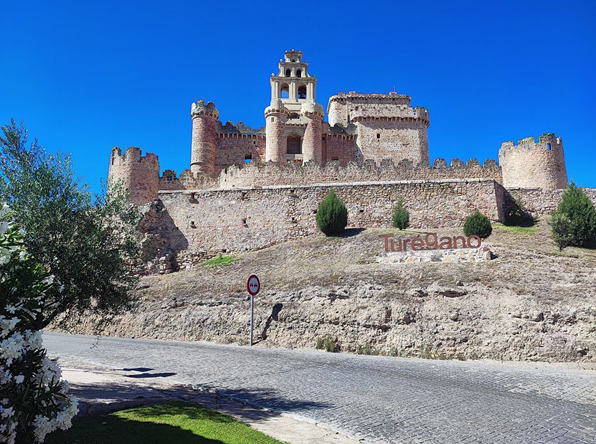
(252, 315)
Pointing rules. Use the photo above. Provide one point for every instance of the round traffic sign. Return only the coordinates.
(253, 285)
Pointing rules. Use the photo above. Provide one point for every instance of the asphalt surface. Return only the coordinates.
(372, 398)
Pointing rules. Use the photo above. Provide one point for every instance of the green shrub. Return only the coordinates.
(401, 216)
(327, 343)
(517, 216)
(332, 215)
(478, 225)
(574, 222)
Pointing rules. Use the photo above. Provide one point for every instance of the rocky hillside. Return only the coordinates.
(531, 302)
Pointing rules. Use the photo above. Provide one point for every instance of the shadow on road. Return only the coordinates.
(104, 397)
(268, 399)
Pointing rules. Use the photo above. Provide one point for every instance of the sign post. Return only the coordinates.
(253, 285)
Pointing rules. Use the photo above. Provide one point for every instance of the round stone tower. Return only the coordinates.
(204, 126)
(275, 132)
(137, 174)
(312, 145)
(534, 165)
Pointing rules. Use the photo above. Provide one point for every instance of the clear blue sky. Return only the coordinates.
(87, 76)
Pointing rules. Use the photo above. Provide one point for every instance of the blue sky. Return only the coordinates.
(87, 76)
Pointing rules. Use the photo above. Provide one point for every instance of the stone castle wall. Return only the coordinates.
(392, 139)
(541, 202)
(261, 175)
(232, 149)
(290, 174)
(341, 148)
(253, 218)
(138, 174)
(531, 164)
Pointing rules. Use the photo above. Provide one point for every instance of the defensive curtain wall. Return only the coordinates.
(252, 218)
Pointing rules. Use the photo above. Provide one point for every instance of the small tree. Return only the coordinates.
(401, 216)
(574, 221)
(478, 225)
(332, 215)
(89, 246)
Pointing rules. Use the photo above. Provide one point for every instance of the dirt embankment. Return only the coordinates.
(531, 302)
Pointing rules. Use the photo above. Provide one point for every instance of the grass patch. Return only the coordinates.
(520, 230)
(220, 260)
(168, 423)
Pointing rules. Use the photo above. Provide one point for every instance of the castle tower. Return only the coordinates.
(275, 132)
(534, 165)
(293, 119)
(204, 126)
(313, 134)
(388, 127)
(137, 174)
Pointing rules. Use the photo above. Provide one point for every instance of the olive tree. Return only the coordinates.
(89, 245)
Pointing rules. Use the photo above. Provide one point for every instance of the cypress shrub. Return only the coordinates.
(401, 216)
(574, 222)
(332, 215)
(478, 225)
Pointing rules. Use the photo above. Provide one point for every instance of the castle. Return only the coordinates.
(369, 140)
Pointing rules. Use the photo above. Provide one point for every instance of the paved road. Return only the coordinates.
(373, 398)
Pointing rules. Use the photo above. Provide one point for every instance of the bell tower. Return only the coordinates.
(293, 119)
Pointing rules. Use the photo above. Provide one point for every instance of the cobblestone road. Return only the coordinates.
(372, 398)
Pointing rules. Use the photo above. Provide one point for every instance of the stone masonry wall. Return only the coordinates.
(290, 174)
(253, 218)
(341, 148)
(232, 149)
(395, 140)
(540, 202)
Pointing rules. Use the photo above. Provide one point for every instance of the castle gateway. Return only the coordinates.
(251, 187)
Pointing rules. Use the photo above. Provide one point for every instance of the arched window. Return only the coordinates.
(288, 73)
(298, 73)
(294, 144)
(284, 91)
(302, 92)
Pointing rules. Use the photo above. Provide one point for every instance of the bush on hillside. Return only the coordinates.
(517, 216)
(332, 215)
(401, 216)
(574, 222)
(478, 225)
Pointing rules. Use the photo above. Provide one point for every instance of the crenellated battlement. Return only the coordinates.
(132, 154)
(354, 97)
(369, 171)
(270, 173)
(239, 128)
(547, 141)
(199, 109)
